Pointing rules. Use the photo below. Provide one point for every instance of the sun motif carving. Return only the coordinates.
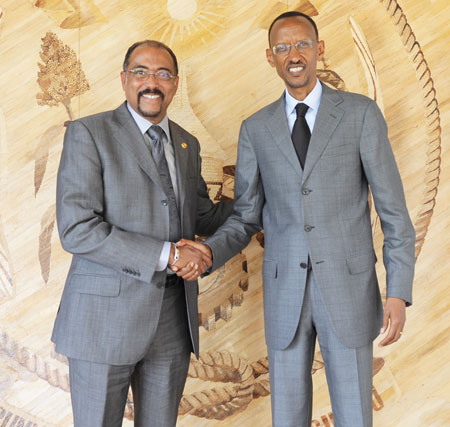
(186, 25)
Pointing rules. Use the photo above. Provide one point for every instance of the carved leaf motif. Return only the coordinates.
(85, 13)
(69, 14)
(41, 154)
(367, 62)
(53, 5)
(45, 241)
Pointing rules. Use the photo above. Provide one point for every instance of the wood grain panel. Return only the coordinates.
(392, 50)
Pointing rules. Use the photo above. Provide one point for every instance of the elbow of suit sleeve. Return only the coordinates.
(83, 238)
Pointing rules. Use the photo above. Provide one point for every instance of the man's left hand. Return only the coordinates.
(394, 317)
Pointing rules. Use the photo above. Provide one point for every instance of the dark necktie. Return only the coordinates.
(158, 137)
(301, 133)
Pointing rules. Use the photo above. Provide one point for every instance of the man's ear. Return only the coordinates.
(320, 49)
(270, 57)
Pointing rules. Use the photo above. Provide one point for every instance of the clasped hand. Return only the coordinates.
(194, 259)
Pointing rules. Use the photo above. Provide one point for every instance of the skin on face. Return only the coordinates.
(152, 97)
(297, 68)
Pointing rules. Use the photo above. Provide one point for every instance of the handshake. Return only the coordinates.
(193, 259)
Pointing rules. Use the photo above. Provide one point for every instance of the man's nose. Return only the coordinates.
(294, 54)
(151, 80)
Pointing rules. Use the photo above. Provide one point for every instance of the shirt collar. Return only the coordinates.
(144, 124)
(312, 100)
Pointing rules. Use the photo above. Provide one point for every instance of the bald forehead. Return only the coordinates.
(285, 24)
(150, 49)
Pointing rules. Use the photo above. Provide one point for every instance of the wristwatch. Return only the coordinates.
(176, 255)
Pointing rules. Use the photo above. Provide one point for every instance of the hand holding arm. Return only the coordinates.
(395, 317)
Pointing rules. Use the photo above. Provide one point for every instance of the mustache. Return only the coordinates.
(296, 63)
(150, 91)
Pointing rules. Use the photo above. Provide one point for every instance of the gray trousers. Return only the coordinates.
(348, 371)
(99, 391)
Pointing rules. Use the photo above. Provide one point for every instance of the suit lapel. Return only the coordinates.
(127, 134)
(181, 151)
(328, 117)
(278, 127)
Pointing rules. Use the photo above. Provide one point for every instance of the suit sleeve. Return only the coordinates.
(80, 212)
(209, 216)
(235, 234)
(386, 186)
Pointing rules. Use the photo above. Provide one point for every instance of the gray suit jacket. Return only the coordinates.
(322, 212)
(112, 217)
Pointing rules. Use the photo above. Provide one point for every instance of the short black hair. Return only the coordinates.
(151, 43)
(294, 13)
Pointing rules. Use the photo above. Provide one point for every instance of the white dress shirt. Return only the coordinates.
(312, 101)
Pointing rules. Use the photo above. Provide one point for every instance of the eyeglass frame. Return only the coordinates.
(309, 45)
(147, 74)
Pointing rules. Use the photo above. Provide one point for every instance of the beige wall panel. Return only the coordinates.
(395, 51)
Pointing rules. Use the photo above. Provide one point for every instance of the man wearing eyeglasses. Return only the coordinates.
(305, 165)
(129, 187)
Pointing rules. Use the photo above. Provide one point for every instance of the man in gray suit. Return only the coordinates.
(319, 262)
(130, 184)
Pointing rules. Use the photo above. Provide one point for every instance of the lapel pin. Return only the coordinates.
(184, 145)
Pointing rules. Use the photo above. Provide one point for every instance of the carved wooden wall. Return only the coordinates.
(60, 59)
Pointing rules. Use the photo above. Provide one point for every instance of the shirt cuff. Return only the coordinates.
(164, 257)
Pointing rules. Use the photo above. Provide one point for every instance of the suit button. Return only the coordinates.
(164, 202)
(303, 265)
(308, 228)
(305, 191)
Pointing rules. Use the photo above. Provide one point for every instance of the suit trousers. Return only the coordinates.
(99, 391)
(348, 371)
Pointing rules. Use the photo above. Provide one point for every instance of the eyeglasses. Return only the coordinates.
(283, 49)
(142, 74)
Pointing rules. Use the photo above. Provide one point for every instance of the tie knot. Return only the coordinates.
(156, 133)
(301, 109)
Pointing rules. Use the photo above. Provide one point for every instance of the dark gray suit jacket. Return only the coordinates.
(321, 211)
(112, 217)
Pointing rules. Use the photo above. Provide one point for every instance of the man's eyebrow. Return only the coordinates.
(159, 69)
(165, 69)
